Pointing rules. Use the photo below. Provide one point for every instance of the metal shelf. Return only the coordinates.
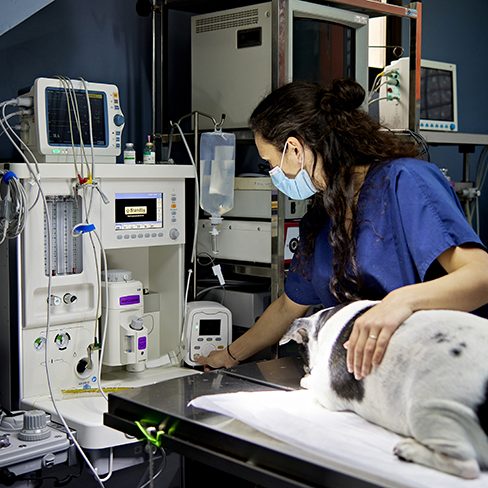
(373, 8)
(454, 138)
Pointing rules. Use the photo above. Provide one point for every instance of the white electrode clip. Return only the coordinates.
(217, 271)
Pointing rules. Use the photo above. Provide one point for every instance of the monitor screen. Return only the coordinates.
(61, 125)
(323, 50)
(209, 327)
(436, 94)
(138, 211)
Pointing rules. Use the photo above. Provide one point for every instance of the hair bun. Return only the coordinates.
(343, 95)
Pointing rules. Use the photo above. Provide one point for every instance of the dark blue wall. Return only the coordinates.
(455, 32)
(106, 41)
(102, 41)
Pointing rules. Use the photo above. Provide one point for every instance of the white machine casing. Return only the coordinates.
(35, 129)
(34, 243)
(394, 99)
(72, 322)
(245, 234)
(123, 344)
(208, 327)
(67, 348)
(216, 57)
(232, 54)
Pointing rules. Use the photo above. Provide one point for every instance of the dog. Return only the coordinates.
(431, 386)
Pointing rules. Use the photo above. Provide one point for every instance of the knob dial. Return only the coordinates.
(62, 340)
(69, 298)
(39, 343)
(35, 426)
(174, 234)
(119, 120)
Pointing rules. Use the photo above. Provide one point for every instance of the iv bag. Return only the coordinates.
(217, 171)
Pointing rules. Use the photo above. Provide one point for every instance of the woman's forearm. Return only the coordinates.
(465, 287)
(269, 328)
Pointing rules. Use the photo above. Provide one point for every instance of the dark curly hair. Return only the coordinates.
(333, 125)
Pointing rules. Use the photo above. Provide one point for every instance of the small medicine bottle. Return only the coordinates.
(149, 155)
(129, 154)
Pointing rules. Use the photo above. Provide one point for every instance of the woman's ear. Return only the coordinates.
(297, 147)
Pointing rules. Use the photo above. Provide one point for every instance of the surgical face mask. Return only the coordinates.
(298, 188)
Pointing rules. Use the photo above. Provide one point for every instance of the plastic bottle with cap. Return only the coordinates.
(129, 154)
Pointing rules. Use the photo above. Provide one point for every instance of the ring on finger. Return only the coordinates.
(372, 337)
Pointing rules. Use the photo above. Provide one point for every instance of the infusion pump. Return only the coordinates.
(208, 327)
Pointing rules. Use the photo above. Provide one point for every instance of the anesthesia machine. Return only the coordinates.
(98, 271)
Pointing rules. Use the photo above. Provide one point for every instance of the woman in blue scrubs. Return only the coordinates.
(382, 224)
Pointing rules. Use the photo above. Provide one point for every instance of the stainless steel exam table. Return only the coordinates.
(223, 443)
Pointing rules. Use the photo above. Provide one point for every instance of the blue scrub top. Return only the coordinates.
(408, 215)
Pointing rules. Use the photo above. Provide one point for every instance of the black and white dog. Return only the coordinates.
(431, 387)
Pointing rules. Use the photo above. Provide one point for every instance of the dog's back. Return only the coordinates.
(432, 384)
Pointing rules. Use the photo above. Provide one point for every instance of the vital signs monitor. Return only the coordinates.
(63, 122)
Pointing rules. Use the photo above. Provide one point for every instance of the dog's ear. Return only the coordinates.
(297, 332)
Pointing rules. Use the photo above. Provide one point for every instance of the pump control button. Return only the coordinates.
(174, 234)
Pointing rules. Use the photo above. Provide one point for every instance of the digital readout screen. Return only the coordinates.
(61, 122)
(138, 211)
(209, 327)
(436, 94)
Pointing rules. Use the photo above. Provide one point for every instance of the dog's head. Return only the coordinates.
(305, 331)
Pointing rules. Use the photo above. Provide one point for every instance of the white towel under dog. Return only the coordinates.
(342, 440)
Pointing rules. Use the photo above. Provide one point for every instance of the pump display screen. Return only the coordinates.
(209, 327)
(138, 211)
(64, 132)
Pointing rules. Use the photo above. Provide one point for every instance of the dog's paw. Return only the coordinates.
(412, 451)
(306, 382)
(407, 450)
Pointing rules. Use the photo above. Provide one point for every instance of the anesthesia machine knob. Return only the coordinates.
(174, 234)
(4, 441)
(69, 298)
(82, 365)
(55, 300)
(62, 340)
(35, 426)
(119, 120)
(137, 324)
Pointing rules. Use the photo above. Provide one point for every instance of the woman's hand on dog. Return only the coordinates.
(372, 333)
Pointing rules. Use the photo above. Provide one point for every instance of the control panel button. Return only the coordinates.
(174, 234)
